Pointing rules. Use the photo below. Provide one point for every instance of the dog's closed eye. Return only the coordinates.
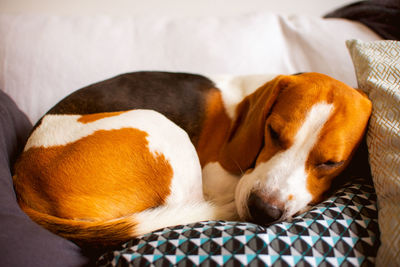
(274, 134)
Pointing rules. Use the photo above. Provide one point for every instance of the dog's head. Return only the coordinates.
(291, 137)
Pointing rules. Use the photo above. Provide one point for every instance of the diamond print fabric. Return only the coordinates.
(340, 231)
(377, 66)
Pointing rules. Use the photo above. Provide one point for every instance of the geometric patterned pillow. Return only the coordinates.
(377, 67)
(342, 230)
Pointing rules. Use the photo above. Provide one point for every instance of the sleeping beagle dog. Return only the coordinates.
(146, 150)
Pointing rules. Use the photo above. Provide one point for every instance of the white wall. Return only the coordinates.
(176, 8)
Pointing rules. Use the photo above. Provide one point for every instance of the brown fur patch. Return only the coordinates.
(215, 129)
(97, 116)
(105, 175)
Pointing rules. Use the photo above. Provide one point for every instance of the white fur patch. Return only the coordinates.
(219, 186)
(164, 137)
(176, 214)
(284, 174)
(235, 88)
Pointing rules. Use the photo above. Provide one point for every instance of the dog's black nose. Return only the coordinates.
(262, 212)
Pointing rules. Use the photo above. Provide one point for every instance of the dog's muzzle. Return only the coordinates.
(263, 212)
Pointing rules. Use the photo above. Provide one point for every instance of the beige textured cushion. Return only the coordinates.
(377, 67)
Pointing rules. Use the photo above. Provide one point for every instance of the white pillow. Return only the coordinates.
(44, 58)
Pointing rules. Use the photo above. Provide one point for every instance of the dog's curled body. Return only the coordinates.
(146, 150)
(111, 176)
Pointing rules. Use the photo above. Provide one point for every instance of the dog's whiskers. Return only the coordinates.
(237, 164)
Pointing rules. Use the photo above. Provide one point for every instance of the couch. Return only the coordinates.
(44, 58)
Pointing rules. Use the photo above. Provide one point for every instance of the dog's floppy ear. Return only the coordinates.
(247, 132)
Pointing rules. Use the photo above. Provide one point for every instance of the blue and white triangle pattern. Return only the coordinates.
(343, 230)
